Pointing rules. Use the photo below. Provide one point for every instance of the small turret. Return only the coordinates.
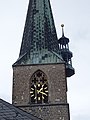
(66, 54)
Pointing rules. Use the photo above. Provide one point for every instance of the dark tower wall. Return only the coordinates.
(40, 52)
(57, 107)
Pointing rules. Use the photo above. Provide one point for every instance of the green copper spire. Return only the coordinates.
(39, 43)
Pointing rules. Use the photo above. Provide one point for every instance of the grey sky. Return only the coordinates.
(75, 14)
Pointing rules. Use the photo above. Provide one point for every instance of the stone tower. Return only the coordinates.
(44, 63)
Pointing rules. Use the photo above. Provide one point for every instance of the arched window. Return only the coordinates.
(39, 88)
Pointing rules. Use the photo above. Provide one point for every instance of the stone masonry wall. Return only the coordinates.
(50, 112)
(57, 107)
(56, 83)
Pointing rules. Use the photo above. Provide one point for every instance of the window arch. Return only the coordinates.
(39, 88)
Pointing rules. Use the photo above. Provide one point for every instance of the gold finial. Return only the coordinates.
(62, 25)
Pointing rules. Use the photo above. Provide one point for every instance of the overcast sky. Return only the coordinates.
(75, 14)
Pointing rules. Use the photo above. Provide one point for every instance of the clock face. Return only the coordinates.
(39, 88)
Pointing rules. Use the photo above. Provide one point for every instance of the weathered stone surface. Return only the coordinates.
(56, 82)
(49, 112)
(57, 107)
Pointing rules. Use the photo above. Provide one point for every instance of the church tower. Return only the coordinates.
(44, 63)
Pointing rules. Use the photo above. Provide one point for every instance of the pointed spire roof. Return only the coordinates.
(39, 37)
(39, 32)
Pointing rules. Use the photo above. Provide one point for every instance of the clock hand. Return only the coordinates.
(39, 90)
(43, 93)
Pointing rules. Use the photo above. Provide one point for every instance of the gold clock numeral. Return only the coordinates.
(42, 97)
(46, 91)
(35, 86)
(31, 92)
(35, 98)
(38, 98)
(38, 85)
(32, 88)
(32, 95)
(45, 88)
